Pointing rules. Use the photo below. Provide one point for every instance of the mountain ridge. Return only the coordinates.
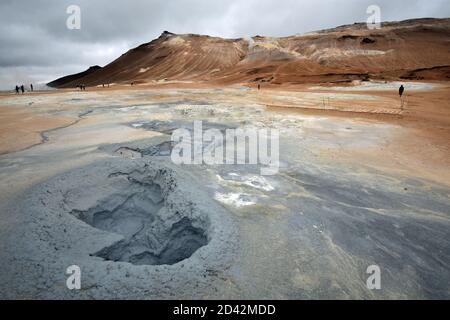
(410, 49)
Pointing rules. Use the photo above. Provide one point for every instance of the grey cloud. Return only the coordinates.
(35, 41)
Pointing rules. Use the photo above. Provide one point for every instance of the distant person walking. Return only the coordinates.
(22, 88)
(401, 91)
(31, 87)
(17, 89)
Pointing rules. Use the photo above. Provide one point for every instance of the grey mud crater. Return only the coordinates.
(159, 224)
(136, 211)
(140, 219)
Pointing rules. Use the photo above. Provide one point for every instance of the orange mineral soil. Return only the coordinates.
(21, 128)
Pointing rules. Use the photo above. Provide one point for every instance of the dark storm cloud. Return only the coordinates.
(36, 44)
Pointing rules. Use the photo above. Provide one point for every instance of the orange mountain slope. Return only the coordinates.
(411, 49)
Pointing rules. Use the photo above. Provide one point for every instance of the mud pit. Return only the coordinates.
(136, 211)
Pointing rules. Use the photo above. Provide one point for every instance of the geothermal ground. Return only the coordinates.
(87, 180)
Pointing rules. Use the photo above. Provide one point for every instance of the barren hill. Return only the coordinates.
(73, 78)
(411, 49)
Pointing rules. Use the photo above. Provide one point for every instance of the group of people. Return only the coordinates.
(22, 89)
(82, 87)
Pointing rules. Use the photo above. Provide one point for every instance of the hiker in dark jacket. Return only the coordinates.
(22, 88)
(17, 89)
(400, 92)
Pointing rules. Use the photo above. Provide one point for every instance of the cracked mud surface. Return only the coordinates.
(103, 194)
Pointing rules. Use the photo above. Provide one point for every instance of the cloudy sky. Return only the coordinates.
(36, 45)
